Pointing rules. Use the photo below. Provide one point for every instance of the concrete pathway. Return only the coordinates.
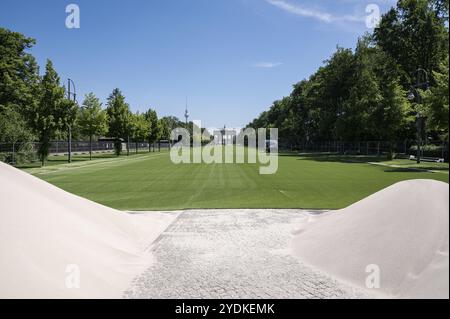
(233, 254)
(413, 169)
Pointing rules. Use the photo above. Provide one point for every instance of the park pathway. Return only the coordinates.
(232, 254)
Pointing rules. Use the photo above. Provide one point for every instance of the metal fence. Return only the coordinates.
(26, 152)
(432, 149)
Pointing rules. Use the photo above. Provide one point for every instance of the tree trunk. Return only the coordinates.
(390, 155)
(90, 147)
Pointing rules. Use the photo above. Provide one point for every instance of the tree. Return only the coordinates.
(119, 118)
(19, 86)
(392, 115)
(13, 127)
(415, 35)
(92, 119)
(52, 113)
(141, 128)
(436, 101)
(353, 97)
(164, 128)
(152, 117)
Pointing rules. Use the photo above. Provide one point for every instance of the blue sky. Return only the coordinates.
(232, 58)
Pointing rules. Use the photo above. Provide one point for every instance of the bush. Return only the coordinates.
(6, 157)
(23, 153)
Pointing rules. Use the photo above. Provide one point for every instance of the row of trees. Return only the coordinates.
(119, 122)
(36, 108)
(362, 94)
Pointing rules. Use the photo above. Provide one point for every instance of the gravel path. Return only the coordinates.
(232, 254)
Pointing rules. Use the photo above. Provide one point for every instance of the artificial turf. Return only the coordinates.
(152, 182)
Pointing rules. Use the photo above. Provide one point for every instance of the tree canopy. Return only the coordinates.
(361, 94)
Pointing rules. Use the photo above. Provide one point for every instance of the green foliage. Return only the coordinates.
(52, 113)
(92, 119)
(120, 122)
(19, 85)
(361, 95)
(415, 35)
(436, 101)
(152, 118)
(13, 126)
(141, 128)
(35, 108)
(164, 129)
(354, 96)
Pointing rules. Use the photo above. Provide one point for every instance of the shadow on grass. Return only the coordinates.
(405, 170)
(412, 169)
(429, 168)
(432, 168)
(25, 166)
(336, 158)
(54, 160)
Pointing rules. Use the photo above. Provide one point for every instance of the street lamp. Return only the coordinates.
(69, 128)
(414, 95)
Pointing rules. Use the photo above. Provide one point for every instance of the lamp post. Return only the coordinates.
(69, 128)
(414, 95)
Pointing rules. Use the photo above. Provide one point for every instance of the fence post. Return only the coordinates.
(128, 145)
(378, 148)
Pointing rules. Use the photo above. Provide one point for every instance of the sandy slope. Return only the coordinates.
(404, 229)
(43, 229)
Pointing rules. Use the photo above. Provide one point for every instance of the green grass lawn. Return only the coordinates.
(152, 182)
(76, 157)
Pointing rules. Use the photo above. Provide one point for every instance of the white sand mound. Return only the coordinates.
(402, 229)
(44, 230)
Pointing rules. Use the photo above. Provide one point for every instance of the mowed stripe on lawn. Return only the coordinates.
(153, 182)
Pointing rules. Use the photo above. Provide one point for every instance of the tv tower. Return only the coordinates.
(186, 113)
